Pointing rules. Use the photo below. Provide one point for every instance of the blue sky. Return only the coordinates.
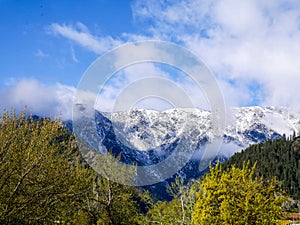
(251, 46)
(30, 51)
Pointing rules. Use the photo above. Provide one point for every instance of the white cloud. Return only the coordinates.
(81, 35)
(43, 100)
(251, 46)
(137, 81)
(122, 79)
(40, 53)
(74, 58)
(228, 149)
(243, 42)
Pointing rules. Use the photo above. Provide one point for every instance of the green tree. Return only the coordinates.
(279, 158)
(113, 202)
(179, 210)
(236, 196)
(44, 179)
(40, 177)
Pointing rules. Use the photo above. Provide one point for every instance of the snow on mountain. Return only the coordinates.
(148, 137)
(148, 129)
(145, 129)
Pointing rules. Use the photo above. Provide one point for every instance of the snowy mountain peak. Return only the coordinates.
(147, 129)
(148, 137)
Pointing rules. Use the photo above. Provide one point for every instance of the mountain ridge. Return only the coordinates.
(245, 126)
(148, 137)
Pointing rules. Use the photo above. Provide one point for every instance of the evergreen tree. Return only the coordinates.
(279, 158)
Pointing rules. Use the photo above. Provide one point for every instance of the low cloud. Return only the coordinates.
(43, 100)
(228, 149)
(137, 81)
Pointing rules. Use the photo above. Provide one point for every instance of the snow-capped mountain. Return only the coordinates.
(250, 125)
(145, 130)
(147, 137)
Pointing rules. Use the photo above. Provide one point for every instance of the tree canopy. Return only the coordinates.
(236, 196)
(278, 158)
(44, 180)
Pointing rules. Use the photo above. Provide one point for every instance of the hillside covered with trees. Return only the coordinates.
(279, 158)
(44, 180)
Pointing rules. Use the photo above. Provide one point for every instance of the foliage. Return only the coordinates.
(43, 179)
(114, 202)
(38, 182)
(279, 158)
(235, 196)
(180, 209)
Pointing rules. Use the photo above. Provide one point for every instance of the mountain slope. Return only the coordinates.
(148, 129)
(279, 158)
(148, 137)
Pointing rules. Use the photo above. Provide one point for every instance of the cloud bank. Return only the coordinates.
(251, 46)
(40, 99)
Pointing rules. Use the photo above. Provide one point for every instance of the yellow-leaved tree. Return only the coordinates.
(237, 196)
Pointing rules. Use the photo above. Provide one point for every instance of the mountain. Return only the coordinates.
(146, 130)
(148, 137)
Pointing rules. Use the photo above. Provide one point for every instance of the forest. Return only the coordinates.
(279, 158)
(44, 180)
